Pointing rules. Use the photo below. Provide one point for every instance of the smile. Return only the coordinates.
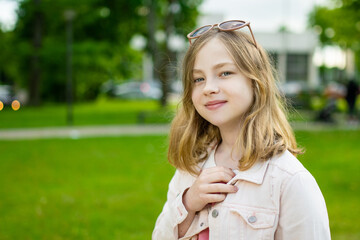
(212, 105)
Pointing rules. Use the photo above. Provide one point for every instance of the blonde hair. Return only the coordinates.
(265, 131)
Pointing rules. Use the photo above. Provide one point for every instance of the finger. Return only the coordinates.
(218, 170)
(217, 177)
(221, 188)
(215, 197)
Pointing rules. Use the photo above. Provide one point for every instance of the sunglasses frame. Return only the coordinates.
(218, 25)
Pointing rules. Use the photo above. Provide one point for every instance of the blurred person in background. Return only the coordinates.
(352, 91)
(332, 93)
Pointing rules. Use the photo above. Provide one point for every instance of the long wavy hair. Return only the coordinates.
(264, 130)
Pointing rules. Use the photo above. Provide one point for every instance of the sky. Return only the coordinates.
(7, 14)
(264, 15)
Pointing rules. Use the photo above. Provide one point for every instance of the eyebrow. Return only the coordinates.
(217, 66)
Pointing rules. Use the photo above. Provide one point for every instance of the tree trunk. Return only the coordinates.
(167, 61)
(162, 60)
(35, 72)
(152, 44)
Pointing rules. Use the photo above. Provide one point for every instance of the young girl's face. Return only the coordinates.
(221, 93)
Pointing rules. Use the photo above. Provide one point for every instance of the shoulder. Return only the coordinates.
(288, 171)
(293, 178)
(303, 213)
(287, 163)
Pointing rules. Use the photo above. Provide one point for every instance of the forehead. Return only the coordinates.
(212, 53)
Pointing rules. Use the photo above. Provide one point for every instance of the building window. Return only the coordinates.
(297, 67)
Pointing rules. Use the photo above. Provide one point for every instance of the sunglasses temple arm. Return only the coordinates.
(252, 36)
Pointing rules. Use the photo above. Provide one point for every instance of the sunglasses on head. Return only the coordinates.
(226, 26)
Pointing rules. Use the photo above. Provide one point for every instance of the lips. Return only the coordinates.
(212, 105)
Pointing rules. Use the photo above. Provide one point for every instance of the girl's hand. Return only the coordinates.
(209, 187)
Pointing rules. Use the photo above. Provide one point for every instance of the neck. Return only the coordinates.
(229, 137)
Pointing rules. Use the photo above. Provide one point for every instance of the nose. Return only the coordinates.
(211, 86)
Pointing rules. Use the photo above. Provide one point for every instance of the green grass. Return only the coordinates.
(102, 112)
(105, 112)
(106, 188)
(114, 188)
(333, 158)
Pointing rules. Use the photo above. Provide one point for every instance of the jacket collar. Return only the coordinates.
(255, 174)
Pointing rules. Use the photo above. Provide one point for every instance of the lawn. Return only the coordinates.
(101, 112)
(104, 112)
(114, 188)
(333, 158)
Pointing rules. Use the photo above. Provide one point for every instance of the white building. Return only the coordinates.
(293, 55)
(292, 52)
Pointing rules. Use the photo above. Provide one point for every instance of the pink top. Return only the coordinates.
(204, 234)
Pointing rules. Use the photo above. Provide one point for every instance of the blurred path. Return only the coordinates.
(320, 126)
(132, 130)
(83, 131)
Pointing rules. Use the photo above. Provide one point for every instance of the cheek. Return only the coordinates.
(195, 96)
(249, 90)
(244, 93)
(250, 94)
(196, 101)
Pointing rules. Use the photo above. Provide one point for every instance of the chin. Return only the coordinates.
(214, 122)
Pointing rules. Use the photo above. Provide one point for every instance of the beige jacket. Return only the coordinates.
(277, 199)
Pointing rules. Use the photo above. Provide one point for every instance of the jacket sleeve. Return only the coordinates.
(174, 211)
(303, 213)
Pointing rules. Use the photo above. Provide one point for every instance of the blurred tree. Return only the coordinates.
(169, 18)
(35, 71)
(102, 33)
(338, 25)
(8, 70)
(102, 29)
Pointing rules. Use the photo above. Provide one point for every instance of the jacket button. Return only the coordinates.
(201, 224)
(215, 213)
(252, 219)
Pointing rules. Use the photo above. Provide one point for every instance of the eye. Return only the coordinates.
(225, 74)
(197, 80)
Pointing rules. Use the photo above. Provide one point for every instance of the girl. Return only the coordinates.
(237, 176)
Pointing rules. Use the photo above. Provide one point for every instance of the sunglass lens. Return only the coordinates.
(231, 25)
(200, 31)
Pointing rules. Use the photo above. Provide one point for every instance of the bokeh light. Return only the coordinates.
(1, 105)
(15, 105)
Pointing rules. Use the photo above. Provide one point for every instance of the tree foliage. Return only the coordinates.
(170, 17)
(338, 25)
(102, 30)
